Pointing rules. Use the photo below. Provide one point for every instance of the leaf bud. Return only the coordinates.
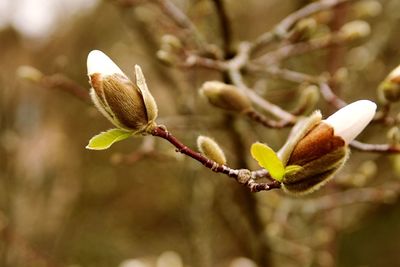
(129, 106)
(225, 96)
(354, 30)
(209, 148)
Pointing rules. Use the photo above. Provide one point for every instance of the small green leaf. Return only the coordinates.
(105, 139)
(268, 159)
(292, 169)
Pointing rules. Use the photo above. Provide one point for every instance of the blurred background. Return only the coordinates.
(140, 203)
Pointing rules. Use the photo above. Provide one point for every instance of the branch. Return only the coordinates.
(290, 50)
(225, 26)
(242, 176)
(61, 82)
(267, 122)
(180, 19)
(281, 30)
(350, 197)
(234, 67)
(377, 148)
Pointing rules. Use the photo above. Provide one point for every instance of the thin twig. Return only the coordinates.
(281, 30)
(180, 19)
(377, 148)
(243, 176)
(267, 122)
(235, 65)
(358, 195)
(225, 26)
(330, 96)
(61, 82)
(301, 48)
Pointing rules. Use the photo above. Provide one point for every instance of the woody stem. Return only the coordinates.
(237, 174)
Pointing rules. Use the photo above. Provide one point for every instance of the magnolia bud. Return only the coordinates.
(309, 97)
(394, 135)
(225, 96)
(170, 43)
(389, 89)
(320, 147)
(209, 148)
(126, 104)
(304, 30)
(354, 30)
(29, 73)
(166, 57)
(367, 9)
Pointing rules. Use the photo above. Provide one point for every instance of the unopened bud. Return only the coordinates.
(304, 30)
(341, 75)
(389, 89)
(29, 73)
(209, 148)
(309, 97)
(394, 135)
(225, 96)
(355, 30)
(166, 57)
(170, 43)
(320, 147)
(126, 104)
(367, 9)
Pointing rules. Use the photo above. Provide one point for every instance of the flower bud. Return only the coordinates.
(29, 73)
(367, 9)
(389, 89)
(209, 148)
(126, 104)
(394, 135)
(170, 43)
(320, 147)
(166, 57)
(355, 30)
(304, 30)
(309, 97)
(225, 96)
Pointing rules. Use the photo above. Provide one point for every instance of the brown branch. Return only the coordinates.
(281, 30)
(267, 122)
(225, 27)
(193, 60)
(377, 148)
(285, 74)
(358, 195)
(61, 82)
(243, 176)
(291, 50)
(330, 97)
(180, 19)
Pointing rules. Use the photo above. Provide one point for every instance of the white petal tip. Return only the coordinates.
(348, 122)
(98, 62)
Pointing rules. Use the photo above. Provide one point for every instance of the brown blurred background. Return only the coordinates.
(63, 205)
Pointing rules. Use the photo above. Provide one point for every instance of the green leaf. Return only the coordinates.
(292, 169)
(105, 139)
(268, 159)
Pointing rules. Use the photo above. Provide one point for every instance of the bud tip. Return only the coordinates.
(98, 62)
(349, 121)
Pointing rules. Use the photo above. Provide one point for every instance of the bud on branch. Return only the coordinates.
(129, 106)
